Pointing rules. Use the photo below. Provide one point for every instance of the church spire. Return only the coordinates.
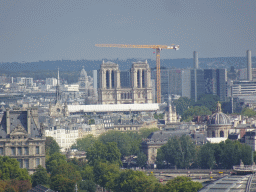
(58, 88)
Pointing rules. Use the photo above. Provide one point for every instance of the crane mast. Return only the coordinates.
(158, 48)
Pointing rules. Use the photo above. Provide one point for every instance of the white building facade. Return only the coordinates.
(64, 137)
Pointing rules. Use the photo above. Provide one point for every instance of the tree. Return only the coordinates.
(182, 104)
(141, 159)
(104, 152)
(124, 142)
(87, 186)
(206, 156)
(87, 173)
(62, 184)
(135, 181)
(40, 177)
(84, 143)
(105, 174)
(68, 171)
(55, 160)
(208, 100)
(182, 184)
(10, 169)
(195, 111)
(91, 121)
(248, 112)
(177, 151)
(51, 146)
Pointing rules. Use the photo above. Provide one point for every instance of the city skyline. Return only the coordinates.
(47, 30)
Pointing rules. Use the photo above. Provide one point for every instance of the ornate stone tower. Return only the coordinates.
(109, 83)
(141, 82)
(83, 82)
(218, 124)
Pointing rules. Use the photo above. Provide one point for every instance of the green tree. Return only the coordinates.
(210, 101)
(141, 159)
(55, 160)
(206, 156)
(195, 111)
(182, 104)
(87, 173)
(248, 112)
(123, 141)
(104, 152)
(84, 143)
(105, 174)
(67, 171)
(51, 146)
(62, 184)
(91, 121)
(87, 186)
(40, 177)
(182, 184)
(177, 151)
(136, 181)
(10, 169)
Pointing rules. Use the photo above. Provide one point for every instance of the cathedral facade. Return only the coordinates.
(111, 91)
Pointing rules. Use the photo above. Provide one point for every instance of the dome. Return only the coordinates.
(83, 73)
(219, 118)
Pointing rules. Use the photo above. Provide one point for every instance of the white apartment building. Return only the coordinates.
(27, 81)
(51, 81)
(64, 137)
(71, 88)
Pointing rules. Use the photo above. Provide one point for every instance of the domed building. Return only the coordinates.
(218, 124)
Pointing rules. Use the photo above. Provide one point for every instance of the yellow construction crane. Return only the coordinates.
(158, 48)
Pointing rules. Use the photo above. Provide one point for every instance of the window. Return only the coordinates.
(37, 161)
(37, 149)
(20, 162)
(1, 151)
(26, 151)
(26, 163)
(19, 151)
(13, 150)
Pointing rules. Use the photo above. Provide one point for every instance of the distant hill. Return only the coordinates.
(69, 65)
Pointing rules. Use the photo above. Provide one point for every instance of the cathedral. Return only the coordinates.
(112, 92)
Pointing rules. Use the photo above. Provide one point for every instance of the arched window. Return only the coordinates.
(221, 133)
(107, 79)
(213, 134)
(143, 78)
(138, 78)
(112, 79)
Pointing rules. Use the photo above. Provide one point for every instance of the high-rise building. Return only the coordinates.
(221, 76)
(197, 83)
(95, 79)
(186, 83)
(171, 82)
(210, 81)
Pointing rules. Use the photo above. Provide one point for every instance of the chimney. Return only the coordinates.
(195, 60)
(249, 65)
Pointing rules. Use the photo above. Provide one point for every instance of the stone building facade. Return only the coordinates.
(111, 91)
(22, 138)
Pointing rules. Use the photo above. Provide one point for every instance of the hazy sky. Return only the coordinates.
(33, 30)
